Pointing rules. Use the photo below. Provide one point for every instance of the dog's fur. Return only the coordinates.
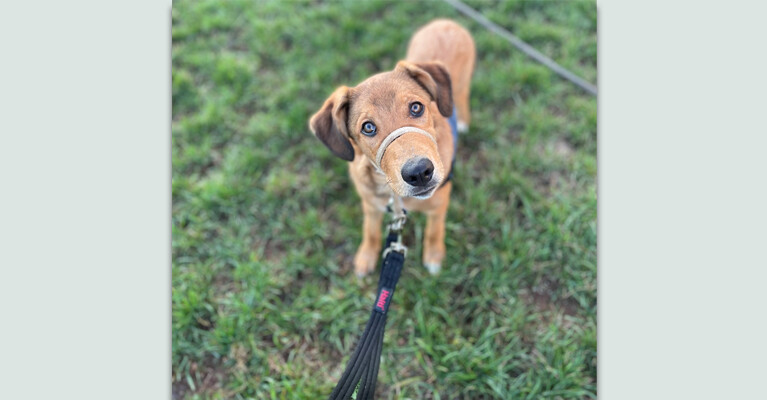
(437, 72)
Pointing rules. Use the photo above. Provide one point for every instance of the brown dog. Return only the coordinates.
(393, 129)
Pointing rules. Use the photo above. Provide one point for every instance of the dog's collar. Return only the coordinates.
(393, 136)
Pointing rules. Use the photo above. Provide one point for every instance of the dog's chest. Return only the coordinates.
(378, 183)
(371, 185)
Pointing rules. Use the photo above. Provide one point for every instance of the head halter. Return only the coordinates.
(393, 136)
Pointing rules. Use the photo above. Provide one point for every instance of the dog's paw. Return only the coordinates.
(365, 262)
(462, 127)
(433, 255)
(433, 268)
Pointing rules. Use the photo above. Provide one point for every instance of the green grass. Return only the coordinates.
(265, 222)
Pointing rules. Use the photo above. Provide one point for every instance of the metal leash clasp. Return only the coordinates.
(395, 226)
(396, 246)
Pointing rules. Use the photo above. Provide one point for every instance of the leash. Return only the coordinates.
(361, 371)
(530, 51)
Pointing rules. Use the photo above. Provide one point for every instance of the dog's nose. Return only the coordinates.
(418, 172)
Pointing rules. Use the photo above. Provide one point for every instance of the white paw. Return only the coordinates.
(433, 268)
(462, 127)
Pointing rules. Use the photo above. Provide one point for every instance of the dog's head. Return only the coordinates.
(390, 119)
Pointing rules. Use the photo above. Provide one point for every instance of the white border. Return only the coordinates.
(85, 210)
(682, 200)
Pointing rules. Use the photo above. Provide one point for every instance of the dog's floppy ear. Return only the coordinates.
(433, 77)
(329, 124)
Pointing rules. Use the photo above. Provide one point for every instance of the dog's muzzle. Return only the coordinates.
(393, 136)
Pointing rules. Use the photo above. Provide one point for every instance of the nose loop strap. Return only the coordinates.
(393, 136)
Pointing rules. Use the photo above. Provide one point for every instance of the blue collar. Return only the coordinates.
(453, 121)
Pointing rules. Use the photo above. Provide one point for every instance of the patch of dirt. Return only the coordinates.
(563, 149)
(207, 378)
(545, 311)
(549, 182)
(273, 251)
(541, 299)
(223, 283)
(306, 356)
(553, 180)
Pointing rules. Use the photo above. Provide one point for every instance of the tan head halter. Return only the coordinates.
(393, 136)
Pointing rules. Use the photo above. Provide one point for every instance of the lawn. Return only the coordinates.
(265, 219)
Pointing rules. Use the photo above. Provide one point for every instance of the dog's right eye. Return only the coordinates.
(369, 129)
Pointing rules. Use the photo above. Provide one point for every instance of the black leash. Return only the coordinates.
(361, 371)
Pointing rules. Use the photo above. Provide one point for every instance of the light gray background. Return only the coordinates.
(85, 200)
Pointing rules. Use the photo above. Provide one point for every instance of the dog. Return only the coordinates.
(394, 130)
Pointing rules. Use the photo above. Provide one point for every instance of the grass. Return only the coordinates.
(265, 220)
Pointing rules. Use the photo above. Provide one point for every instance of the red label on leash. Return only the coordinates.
(382, 304)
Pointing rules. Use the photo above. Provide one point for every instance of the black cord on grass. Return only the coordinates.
(524, 47)
(361, 371)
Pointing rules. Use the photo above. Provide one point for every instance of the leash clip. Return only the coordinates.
(396, 246)
(397, 223)
(399, 215)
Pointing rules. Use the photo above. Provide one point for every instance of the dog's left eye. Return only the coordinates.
(416, 109)
(369, 129)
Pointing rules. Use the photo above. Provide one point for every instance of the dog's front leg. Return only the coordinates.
(367, 254)
(434, 238)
